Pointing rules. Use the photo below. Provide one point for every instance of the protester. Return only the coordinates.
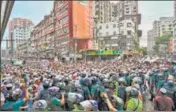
(163, 102)
(99, 85)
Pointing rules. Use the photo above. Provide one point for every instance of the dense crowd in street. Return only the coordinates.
(100, 85)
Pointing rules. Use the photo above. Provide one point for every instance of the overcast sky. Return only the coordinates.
(153, 10)
(150, 10)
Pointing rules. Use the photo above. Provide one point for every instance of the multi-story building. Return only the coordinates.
(150, 41)
(114, 35)
(62, 31)
(19, 32)
(120, 11)
(42, 37)
(166, 25)
(156, 28)
(102, 11)
(116, 11)
(22, 50)
(73, 31)
(129, 10)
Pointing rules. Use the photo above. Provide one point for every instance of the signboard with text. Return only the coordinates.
(103, 52)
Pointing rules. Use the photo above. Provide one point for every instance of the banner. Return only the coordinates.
(104, 52)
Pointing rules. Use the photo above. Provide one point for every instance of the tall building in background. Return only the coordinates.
(150, 41)
(102, 11)
(18, 32)
(156, 28)
(73, 25)
(166, 25)
(121, 12)
(130, 11)
(42, 38)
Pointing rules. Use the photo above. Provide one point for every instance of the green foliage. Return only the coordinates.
(143, 50)
(163, 39)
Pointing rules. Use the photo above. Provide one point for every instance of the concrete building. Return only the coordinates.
(18, 32)
(102, 11)
(166, 25)
(156, 29)
(150, 41)
(117, 11)
(73, 31)
(129, 10)
(62, 31)
(114, 35)
(120, 11)
(42, 38)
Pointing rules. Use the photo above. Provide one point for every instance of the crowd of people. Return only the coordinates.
(102, 85)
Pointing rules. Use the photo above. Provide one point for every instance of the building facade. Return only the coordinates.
(102, 11)
(18, 32)
(77, 32)
(117, 12)
(156, 28)
(62, 31)
(42, 38)
(129, 10)
(116, 36)
(166, 25)
(150, 41)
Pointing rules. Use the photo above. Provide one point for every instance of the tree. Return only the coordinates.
(143, 50)
(162, 40)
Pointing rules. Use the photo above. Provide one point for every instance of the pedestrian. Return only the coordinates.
(163, 102)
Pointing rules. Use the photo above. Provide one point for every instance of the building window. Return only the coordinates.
(128, 24)
(114, 25)
(127, 8)
(128, 32)
(100, 34)
(100, 27)
(114, 32)
(107, 26)
(107, 33)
